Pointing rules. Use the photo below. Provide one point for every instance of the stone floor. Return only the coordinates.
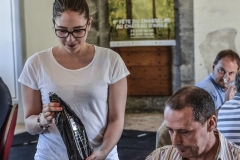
(141, 122)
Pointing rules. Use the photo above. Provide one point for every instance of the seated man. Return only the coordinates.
(190, 118)
(228, 116)
(217, 84)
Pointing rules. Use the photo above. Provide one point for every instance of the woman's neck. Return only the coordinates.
(76, 60)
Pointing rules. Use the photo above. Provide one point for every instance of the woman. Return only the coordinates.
(91, 79)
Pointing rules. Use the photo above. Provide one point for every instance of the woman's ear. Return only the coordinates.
(89, 23)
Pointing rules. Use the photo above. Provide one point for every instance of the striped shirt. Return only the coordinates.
(229, 119)
(227, 151)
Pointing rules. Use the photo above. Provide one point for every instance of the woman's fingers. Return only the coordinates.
(52, 107)
(49, 115)
(49, 110)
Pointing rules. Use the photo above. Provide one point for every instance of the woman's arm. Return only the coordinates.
(32, 107)
(115, 121)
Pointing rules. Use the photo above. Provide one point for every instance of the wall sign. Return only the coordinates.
(141, 23)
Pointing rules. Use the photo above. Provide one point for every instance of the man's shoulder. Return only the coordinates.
(207, 86)
(232, 150)
(228, 150)
(167, 152)
(205, 82)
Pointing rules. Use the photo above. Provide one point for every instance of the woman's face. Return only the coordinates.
(77, 25)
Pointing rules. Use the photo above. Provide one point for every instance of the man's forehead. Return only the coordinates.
(227, 64)
(187, 110)
(178, 118)
(226, 60)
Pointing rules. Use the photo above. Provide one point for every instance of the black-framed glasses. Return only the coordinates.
(77, 33)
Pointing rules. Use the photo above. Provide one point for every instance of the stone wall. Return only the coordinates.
(145, 104)
(185, 41)
(99, 33)
(182, 53)
(93, 34)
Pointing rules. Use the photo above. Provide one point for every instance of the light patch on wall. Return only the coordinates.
(214, 43)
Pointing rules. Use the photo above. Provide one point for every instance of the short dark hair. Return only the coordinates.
(227, 53)
(237, 81)
(196, 98)
(79, 6)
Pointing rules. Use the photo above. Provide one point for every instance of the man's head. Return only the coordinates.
(190, 118)
(225, 66)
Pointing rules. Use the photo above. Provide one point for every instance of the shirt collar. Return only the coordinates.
(225, 146)
(211, 76)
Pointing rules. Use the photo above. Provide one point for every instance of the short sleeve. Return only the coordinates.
(29, 73)
(119, 69)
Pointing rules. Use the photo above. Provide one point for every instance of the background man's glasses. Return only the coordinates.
(64, 33)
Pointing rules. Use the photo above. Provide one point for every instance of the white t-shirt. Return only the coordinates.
(85, 90)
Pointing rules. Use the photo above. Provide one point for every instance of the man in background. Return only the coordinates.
(219, 84)
(191, 120)
(228, 117)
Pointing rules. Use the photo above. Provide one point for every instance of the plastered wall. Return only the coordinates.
(38, 26)
(216, 27)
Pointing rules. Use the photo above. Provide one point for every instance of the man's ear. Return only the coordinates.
(213, 66)
(211, 123)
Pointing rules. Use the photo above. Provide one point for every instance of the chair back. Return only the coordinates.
(5, 104)
(8, 133)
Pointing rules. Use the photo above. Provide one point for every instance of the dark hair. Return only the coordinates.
(228, 53)
(79, 6)
(196, 98)
(237, 81)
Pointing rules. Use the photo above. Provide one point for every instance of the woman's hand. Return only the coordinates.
(97, 155)
(48, 112)
(32, 106)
